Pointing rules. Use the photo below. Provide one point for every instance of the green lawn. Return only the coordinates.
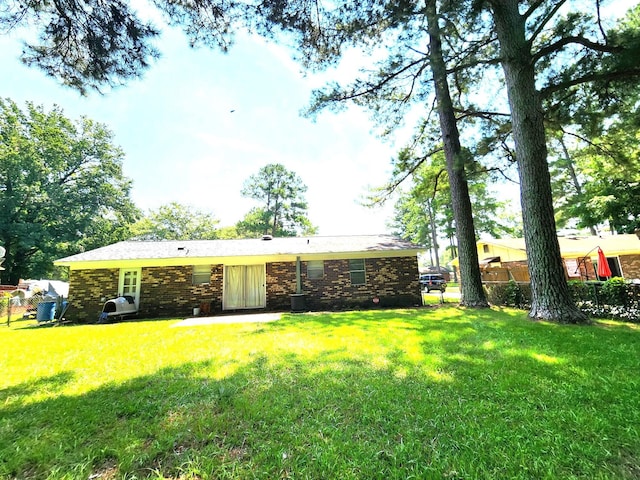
(442, 393)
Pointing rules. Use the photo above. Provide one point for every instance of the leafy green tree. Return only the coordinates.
(284, 209)
(423, 213)
(418, 210)
(528, 43)
(254, 224)
(175, 221)
(228, 233)
(472, 291)
(595, 159)
(213, 22)
(62, 186)
(595, 186)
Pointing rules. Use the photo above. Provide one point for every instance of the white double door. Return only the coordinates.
(244, 287)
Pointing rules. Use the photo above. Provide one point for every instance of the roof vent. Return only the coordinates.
(267, 237)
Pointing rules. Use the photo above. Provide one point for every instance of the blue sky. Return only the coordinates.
(200, 122)
(183, 143)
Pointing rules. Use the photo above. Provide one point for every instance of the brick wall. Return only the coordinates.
(393, 281)
(168, 291)
(165, 291)
(281, 283)
(87, 288)
(630, 265)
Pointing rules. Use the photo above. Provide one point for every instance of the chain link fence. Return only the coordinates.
(16, 306)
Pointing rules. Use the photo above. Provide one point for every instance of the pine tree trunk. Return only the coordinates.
(550, 293)
(472, 292)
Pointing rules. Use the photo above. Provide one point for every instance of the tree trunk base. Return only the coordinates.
(474, 303)
(558, 315)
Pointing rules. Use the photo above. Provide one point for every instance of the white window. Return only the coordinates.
(315, 269)
(356, 271)
(201, 274)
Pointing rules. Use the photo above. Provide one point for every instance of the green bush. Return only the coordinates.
(496, 293)
(581, 291)
(614, 291)
(510, 294)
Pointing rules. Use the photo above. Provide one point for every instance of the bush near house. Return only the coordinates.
(615, 299)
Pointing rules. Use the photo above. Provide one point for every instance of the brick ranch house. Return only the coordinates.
(171, 278)
(505, 259)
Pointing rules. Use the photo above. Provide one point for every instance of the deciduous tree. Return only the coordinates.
(175, 221)
(62, 187)
(430, 191)
(595, 157)
(545, 47)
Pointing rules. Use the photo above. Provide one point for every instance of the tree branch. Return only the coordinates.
(599, 147)
(604, 35)
(594, 77)
(391, 187)
(373, 87)
(546, 19)
(534, 6)
(481, 114)
(557, 46)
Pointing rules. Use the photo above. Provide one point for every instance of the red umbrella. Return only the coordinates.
(603, 265)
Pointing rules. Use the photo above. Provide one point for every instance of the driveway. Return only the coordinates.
(452, 294)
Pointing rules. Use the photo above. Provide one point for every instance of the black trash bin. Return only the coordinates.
(298, 303)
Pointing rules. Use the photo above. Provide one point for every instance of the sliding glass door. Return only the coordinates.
(244, 287)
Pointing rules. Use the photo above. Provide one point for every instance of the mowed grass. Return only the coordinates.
(442, 393)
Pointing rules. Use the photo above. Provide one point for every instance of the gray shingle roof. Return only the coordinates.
(142, 250)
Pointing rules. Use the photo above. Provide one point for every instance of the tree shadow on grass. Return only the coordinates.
(52, 384)
(458, 398)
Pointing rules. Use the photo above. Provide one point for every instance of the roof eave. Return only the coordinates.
(264, 258)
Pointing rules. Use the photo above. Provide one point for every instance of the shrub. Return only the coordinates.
(583, 291)
(510, 294)
(614, 291)
(613, 299)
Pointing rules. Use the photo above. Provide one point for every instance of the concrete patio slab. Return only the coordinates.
(229, 319)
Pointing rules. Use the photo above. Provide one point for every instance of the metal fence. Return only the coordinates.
(15, 306)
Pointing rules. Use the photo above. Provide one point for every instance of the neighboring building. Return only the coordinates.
(170, 278)
(506, 259)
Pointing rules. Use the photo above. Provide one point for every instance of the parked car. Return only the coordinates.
(433, 281)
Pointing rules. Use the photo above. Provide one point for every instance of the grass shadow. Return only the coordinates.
(54, 383)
